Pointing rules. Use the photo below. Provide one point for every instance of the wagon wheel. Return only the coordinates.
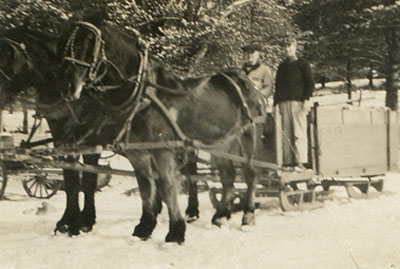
(3, 179)
(39, 186)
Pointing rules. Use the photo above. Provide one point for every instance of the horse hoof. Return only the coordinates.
(131, 240)
(63, 228)
(141, 237)
(246, 228)
(222, 222)
(176, 232)
(66, 229)
(86, 229)
(190, 219)
(248, 219)
(175, 238)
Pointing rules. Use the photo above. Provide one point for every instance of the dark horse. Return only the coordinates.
(134, 100)
(28, 59)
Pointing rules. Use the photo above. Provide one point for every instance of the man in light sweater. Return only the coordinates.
(258, 73)
(293, 89)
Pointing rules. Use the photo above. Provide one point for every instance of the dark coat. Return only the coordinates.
(294, 81)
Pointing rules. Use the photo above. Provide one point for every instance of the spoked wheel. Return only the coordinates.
(3, 179)
(39, 186)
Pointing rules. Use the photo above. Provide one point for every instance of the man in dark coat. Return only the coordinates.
(293, 89)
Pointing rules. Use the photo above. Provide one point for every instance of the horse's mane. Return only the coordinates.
(47, 40)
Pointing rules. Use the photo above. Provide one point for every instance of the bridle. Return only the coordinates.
(98, 56)
(17, 47)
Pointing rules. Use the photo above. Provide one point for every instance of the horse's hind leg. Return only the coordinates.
(69, 223)
(251, 181)
(192, 210)
(227, 174)
(89, 185)
(165, 161)
(151, 201)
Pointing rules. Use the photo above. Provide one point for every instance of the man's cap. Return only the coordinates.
(252, 48)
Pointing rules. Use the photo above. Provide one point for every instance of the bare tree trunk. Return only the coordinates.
(392, 77)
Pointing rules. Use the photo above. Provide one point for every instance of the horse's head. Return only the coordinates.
(82, 50)
(27, 59)
(15, 66)
(99, 57)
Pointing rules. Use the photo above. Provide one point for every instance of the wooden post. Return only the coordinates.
(314, 135)
(1, 120)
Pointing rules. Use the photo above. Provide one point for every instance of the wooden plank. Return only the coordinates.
(356, 116)
(393, 141)
(288, 177)
(358, 146)
(82, 167)
(154, 145)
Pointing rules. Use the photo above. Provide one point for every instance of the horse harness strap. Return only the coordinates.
(150, 92)
(240, 94)
(247, 113)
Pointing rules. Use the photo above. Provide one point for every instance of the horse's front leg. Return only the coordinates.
(151, 201)
(227, 175)
(166, 168)
(89, 186)
(69, 223)
(251, 181)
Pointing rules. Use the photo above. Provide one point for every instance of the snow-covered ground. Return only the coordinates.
(345, 233)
